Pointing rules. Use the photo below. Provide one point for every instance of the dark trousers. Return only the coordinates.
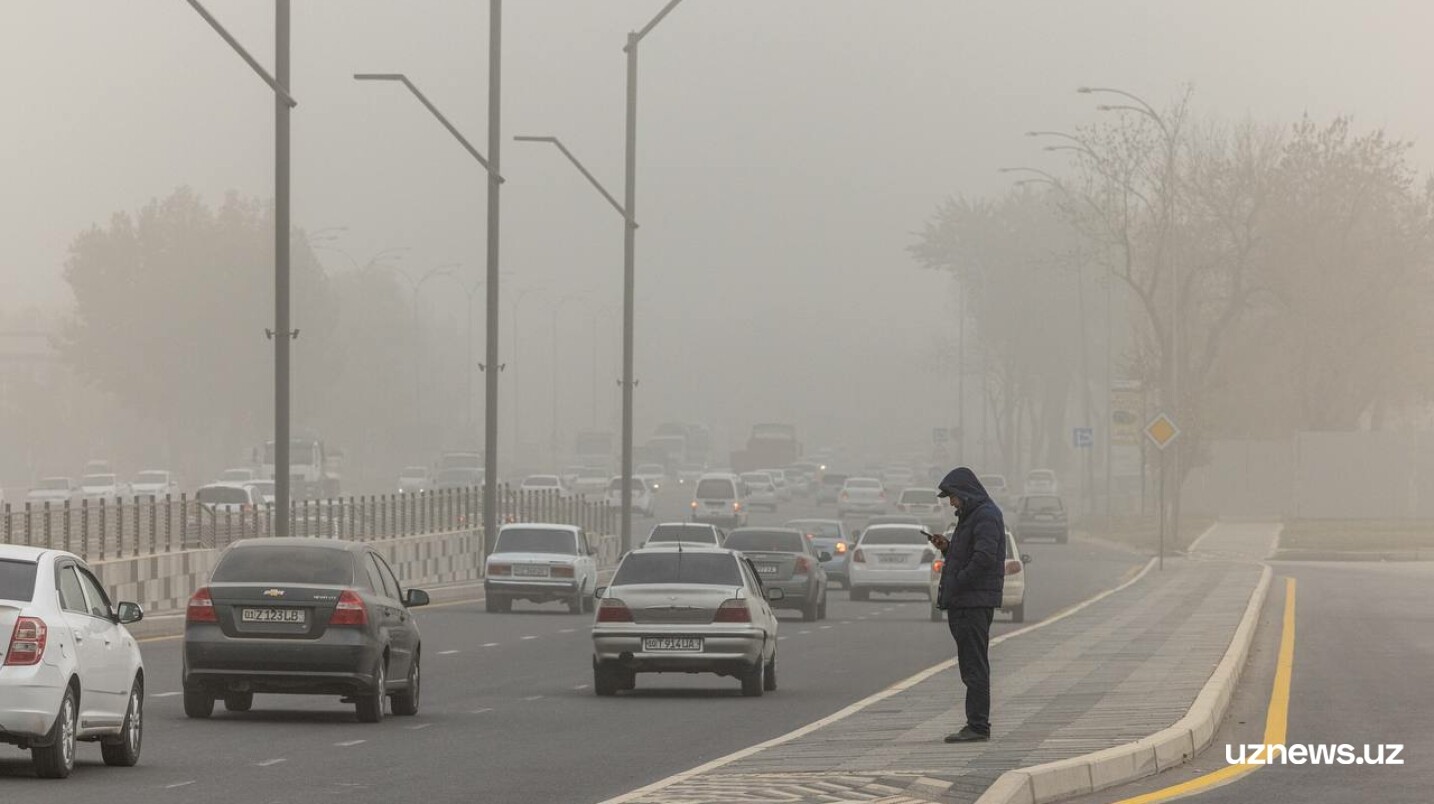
(971, 628)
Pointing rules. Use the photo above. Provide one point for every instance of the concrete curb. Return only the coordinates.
(1082, 775)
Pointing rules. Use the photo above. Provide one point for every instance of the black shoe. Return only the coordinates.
(967, 735)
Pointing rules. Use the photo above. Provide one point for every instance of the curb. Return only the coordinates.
(1149, 755)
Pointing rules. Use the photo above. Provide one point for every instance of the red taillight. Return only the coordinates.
(858, 557)
(349, 611)
(201, 608)
(840, 547)
(804, 565)
(500, 569)
(937, 565)
(736, 506)
(560, 571)
(27, 641)
(612, 610)
(1013, 567)
(733, 611)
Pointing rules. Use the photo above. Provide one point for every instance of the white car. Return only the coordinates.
(1013, 591)
(549, 484)
(101, 487)
(219, 498)
(238, 474)
(891, 558)
(925, 504)
(760, 490)
(263, 491)
(591, 481)
(155, 483)
(52, 490)
(997, 488)
(414, 479)
(540, 562)
(61, 630)
(782, 484)
(653, 473)
(641, 495)
(862, 495)
(1041, 481)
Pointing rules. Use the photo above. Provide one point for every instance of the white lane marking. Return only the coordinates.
(350, 743)
(178, 784)
(490, 644)
(165, 694)
(481, 711)
(268, 762)
(825, 627)
(843, 714)
(581, 687)
(532, 697)
(803, 633)
(530, 636)
(448, 652)
(419, 726)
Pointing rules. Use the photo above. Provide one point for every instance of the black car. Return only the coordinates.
(1041, 515)
(303, 616)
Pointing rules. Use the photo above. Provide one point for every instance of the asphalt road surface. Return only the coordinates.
(508, 713)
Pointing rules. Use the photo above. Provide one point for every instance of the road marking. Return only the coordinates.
(490, 644)
(419, 726)
(803, 633)
(852, 709)
(165, 694)
(581, 687)
(532, 697)
(349, 743)
(481, 711)
(448, 652)
(530, 636)
(1276, 718)
(178, 784)
(825, 627)
(269, 762)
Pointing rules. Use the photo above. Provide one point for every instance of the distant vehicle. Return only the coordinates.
(897, 478)
(689, 533)
(155, 483)
(72, 671)
(458, 478)
(540, 563)
(1042, 516)
(302, 616)
(642, 501)
(779, 480)
(785, 559)
(98, 466)
(831, 536)
(719, 499)
(654, 473)
(891, 558)
(671, 610)
(803, 477)
(102, 487)
(863, 495)
(460, 459)
(1013, 592)
(313, 468)
(547, 484)
(53, 490)
(768, 445)
(760, 490)
(925, 504)
(592, 481)
(239, 474)
(230, 498)
(1041, 481)
(414, 479)
(671, 450)
(895, 519)
(829, 489)
(570, 477)
(996, 487)
(263, 491)
(688, 473)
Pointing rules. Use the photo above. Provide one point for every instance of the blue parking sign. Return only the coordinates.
(1084, 437)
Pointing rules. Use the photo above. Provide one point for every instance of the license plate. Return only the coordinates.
(672, 645)
(767, 569)
(530, 571)
(892, 559)
(284, 615)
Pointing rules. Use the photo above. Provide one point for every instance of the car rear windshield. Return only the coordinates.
(673, 567)
(683, 533)
(833, 480)
(151, 477)
(286, 564)
(821, 530)
(715, 488)
(888, 535)
(17, 580)
(918, 497)
(222, 495)
(779, 541)
(863, 483)
(637, 484)
(536, 540)
(97, 480)
(1043, 505)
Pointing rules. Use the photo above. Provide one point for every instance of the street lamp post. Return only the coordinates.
(283, 332)
(495, 179)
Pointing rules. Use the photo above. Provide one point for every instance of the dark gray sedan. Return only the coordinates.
(305, 616)
(785, 559)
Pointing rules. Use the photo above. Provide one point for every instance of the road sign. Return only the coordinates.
(1084, 437)
(1162, 431)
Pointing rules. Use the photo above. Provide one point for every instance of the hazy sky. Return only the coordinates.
(788, 149)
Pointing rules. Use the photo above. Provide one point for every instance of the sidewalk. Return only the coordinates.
(1113, 672)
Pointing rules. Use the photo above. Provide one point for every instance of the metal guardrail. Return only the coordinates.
(119, 528)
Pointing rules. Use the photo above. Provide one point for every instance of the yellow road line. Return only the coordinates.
(1276, 719)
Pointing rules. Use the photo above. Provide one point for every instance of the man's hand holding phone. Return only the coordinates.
(937, 541)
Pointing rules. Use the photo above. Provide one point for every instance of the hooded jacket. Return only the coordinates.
(975, 570)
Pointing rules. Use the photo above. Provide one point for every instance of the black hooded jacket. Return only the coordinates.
(975, 569)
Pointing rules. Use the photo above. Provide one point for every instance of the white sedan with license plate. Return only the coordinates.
(891, 558)
(540, 563)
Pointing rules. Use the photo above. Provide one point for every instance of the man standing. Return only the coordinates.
(970, 591)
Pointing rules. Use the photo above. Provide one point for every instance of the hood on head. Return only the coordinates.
(961, 482)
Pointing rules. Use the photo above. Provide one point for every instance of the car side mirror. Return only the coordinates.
(824, 556)
(414, 598)
(775, 593)
(597, 593)
(126, 613)
(1025, 559)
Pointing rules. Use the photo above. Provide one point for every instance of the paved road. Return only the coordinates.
(508, 714)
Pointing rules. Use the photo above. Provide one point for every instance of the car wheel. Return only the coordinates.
(369, 706)
(575, 603)
(605, 681)
(769, 675)
(238, 701)
(1018, 613)
(57, 759)
(628, 680)
(490, 604)
(198, 704)
(809, 611)
(405, 701)
(860, 595)
(822, 607)
(588, 603)
(754, 680)
(122, 750)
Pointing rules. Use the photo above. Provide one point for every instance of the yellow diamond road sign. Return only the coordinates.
(1162, 431)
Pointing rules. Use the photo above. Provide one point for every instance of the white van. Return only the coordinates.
(720, 499)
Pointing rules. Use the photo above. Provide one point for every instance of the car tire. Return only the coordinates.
(122, 750)
(198, 704)
(809, 612)
(588, 603)
(575, 603)
(627, 680)
(369, 705)
(1018, 613)
(56, 760)
(605, 681)
(238, 701)
(405, 701)
(754, 680)
(769, 675)
(822, 607)
(860, 595)
(490, 604)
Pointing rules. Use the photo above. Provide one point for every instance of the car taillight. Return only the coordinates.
(694, 505)
(349, 611)
(561, 571)
(1013, 567)
(804, 565)
(27, 641)
(736, 506)
(937, 565)
(843, 495)
(840, 547)
(733, 611)
(201, 607)
(858, 557)
(612, 610)
(500, 569)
